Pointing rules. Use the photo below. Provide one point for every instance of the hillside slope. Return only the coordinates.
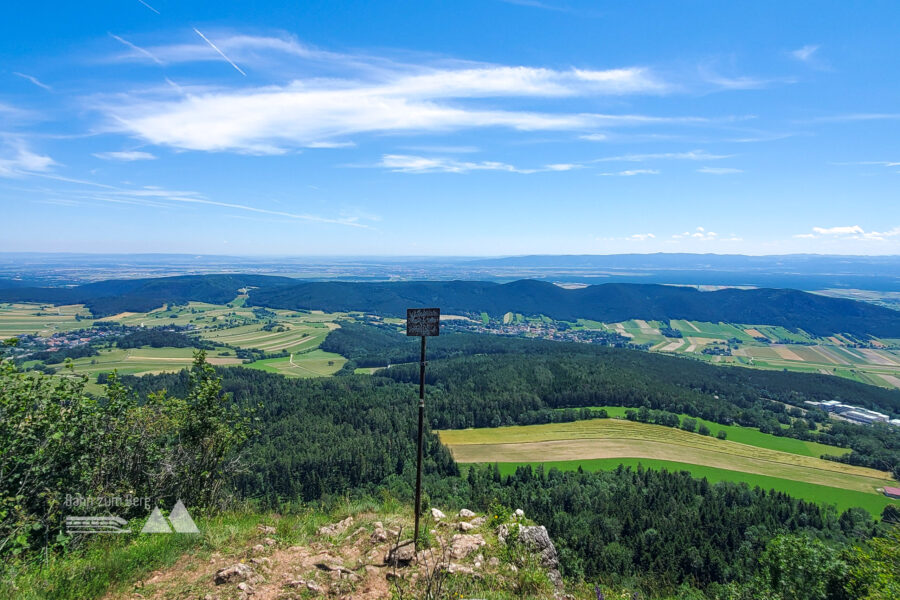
(612, 302)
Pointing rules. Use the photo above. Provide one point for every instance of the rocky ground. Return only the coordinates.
(369, 556)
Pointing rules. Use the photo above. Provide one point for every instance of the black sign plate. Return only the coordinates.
(423, 321)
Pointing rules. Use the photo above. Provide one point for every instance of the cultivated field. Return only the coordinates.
(142, 361)
(616, 439)
(317, 363)
(297, 333)
(785, 349)
(41, 319)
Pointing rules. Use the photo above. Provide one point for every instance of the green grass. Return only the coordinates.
(317, 363)
(750, 436)
(821, 494)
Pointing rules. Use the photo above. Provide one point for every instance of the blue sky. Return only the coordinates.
(450, 128)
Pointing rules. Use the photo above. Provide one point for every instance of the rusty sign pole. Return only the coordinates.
(422, 322)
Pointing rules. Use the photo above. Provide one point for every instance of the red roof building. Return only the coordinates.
(892, 492)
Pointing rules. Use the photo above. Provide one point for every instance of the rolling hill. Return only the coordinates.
(613, 302)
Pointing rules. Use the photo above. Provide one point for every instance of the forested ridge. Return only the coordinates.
(612, 302)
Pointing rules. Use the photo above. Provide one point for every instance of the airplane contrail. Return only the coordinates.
(148, 6)
(222, 54)
(137, 48)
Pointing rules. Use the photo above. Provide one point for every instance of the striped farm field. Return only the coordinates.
(841, 498)
(615, 439)
(296, 337)
(749, 435)
(317, 363)
(41, 319)
(140, 361)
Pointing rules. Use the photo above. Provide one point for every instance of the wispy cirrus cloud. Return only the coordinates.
(159, 197)
(631, 173)
(17, 161)
(719, 170)
(138, 51)
(33, 80)
(365, 95)
(690, 155)
(805, 53)
(126, 156)
(405, 163)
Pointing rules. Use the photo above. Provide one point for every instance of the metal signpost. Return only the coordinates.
(423, 322)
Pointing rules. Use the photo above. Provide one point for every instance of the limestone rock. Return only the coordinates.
(437, 515)
(520, 514)
(236, 572)
(401, 554)
(465, 526)
(266, 529)
(466, 514)
(336, 528)
(537, 539)
(462, 545)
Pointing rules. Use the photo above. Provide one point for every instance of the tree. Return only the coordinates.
(797, 567)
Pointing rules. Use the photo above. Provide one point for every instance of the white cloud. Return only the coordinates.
(158, 197)
(632, 173)
(854, 232)
(719, 170)
(805, 53)
(594, 137)
(877, 163)
(364, 95)
(23, 161)
(405, 163)
(640, 237)
(692, 155)
(854, 117)
(137, 49)
(847, 230)
(34, 80)
(703, 235)
(127, 156)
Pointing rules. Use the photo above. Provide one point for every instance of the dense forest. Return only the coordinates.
(613, 302)
(106, 298)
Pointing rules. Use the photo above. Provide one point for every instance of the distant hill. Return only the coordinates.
(613, 302)
(138, 295)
